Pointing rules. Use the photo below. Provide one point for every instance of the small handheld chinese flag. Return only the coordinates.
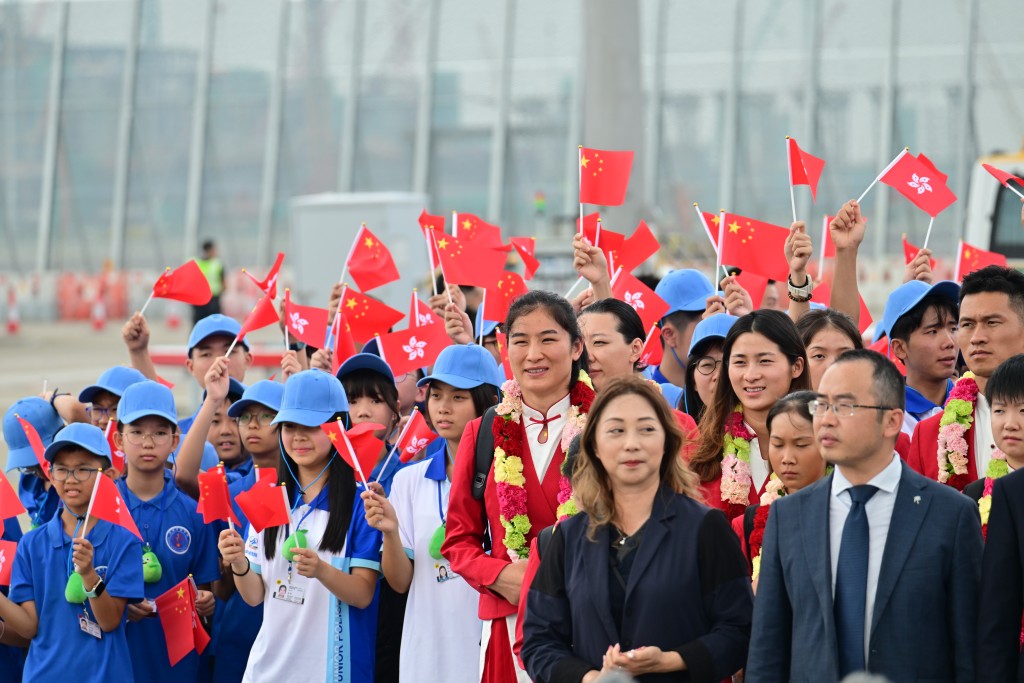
(804, 168)
(10, 504)
(37, 444)
(263, 314)
(652, 352)
(306, 323)
(430, 222)
(214, 498)
(263, 504)
(183, 632)
(186, 283)
(7, 551)
(358, 446)
(604, 176)
(637, 248)
(756, 246)
(108, 505)
(474, 230)
(502, 340)
(413, 348)
(500, 295)
(367, 316)
(526, 248)
(340, 341)
(642, 298)
(371, 264)
(467, 263)
(971, 258)
(268, 285)
(416, 436)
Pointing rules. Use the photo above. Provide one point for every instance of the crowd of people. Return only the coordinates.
(771, 501)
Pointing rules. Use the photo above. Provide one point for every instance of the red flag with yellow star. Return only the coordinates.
(709, 221)
(474, 230)
(501, 294)
(341, 342)
(367, 316)
(755, 246)
(430, 222)
(183, 632)
(371, 264)
(263, 314)
(185, 283)
(466, 263)
(413, 348)
(214, 498)
(604, 176)
(357, 446)
(970, 258)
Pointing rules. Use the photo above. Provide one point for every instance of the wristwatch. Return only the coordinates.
(97, 590)
(799, 293)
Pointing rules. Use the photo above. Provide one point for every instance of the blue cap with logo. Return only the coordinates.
(216, 323)
(909, 294)
(145, 399)
(465, 366)
(115, 380)
(366, 361)
(711, 328)
(685, 290)
(41, 415)
(79, 435)
(262, 393)
(311, 398)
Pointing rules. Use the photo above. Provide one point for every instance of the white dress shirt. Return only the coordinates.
(879, 512)
(758, 465)
(984, 442)
(543, 452)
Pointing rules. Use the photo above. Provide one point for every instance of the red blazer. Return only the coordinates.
(923, 454)
(463, 543)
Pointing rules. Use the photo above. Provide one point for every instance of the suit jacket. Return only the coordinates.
(688, 591)
(923, 456)
(925, 603)
(1001, 603)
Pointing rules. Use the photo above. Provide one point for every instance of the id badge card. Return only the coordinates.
(292, 593)
(89, 626)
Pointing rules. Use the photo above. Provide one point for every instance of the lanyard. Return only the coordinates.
(320, 497)
(78, 525)
(440, 504)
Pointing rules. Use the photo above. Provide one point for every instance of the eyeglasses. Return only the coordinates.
(261, 418)
(707, 365)
(137, 438)
(842, 409)
(58, 473)
(100, 412)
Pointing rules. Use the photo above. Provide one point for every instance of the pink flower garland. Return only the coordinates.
(957, 418)
(736, 477)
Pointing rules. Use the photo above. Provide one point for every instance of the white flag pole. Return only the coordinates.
(824, 243)
(142, 311)
(959, 256)
(885, 170)
(721, 238)
(447, 285)
(579, 187)
(789, 165)
(92, 501)
(351, 251)
(928, 234)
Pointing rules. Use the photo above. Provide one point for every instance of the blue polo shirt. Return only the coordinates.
(919, 406)
(41, 569)
(175, 532)
(12, 659)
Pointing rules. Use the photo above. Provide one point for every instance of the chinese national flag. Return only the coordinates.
(652, 352)
(420, 314)
(371, 264)
(183, 632)
(910, 253)
(367, 316)
(755, 246)
(642, 298)
(263, 314)
(214, 498)
(429, 222)
(305, 323)
(7, 551)
(823, 294)
(10, 504)
(500, 295)
(116, 455)
(604, 176)
(526, 247)
(465, 263)
(1002, 176)
(341, 342)
(107, 504)
(475, 231)
(416, 437)
(917, 182)
(358, 441)
(502, 340)
(268, 285)
(263, 504)
(709, 221)
(589, 228)
(185, 283)
(970, 259)
(804, 168)
(412, 348)
(609, 241)
(637, 248)
(37, 444)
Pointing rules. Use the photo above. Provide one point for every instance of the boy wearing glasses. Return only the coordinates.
(71, 631)
(176, 543)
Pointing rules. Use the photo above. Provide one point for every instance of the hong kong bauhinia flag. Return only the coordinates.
(917, 181)
(604, 176)
(412, 348)
(642, 298)
(268, 285)
(306, 323)
(415, 437)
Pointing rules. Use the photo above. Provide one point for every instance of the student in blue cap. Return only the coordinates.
(464, 383)
(76, 629)
(373, 397)
(36, 494)
(97, 403)
(327, 559)
(921, 321)
(704, 363)
(176, 543)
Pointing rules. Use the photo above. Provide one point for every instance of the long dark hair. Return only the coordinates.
(341, 495)
(559, 309)
(366, 382)
(779, 329)
(628, 321)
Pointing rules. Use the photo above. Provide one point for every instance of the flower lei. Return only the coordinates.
(736, 480)
(773, 490)
(508, 460)
(997, 467)
(957, 418)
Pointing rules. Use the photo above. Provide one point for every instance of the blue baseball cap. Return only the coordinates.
(311, 398)
(264, 393)
(712, 328)
(79, 435)
(909, 294)
(217, 323)
(235, 390)
(41, 415)
(366, 361)
(115, 380)
(465, 366)
(685, 290)
(144, 399)
(371, 347)
(483, 327)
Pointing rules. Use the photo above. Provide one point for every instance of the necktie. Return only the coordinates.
(852, 583)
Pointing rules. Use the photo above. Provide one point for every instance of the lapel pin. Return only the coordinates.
(917, 500)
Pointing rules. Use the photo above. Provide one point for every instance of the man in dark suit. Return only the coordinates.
(1001, 605)
(874, 567)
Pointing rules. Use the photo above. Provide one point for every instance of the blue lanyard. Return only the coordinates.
(312, 506)
(440, 505)
(71, 551)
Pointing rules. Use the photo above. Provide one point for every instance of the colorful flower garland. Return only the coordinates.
(773, 490)
(997, 467)
(508, 460)
(957, 418)
(736, 479)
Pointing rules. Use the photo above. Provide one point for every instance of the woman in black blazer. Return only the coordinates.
(646, 579)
